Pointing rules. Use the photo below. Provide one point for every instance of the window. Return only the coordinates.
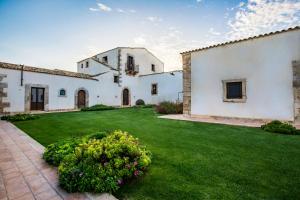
(234, 90)
(154, 89)
(105, 59)
(130, 63)
(81, 65)
(116, 79)
(62, 92)
(87, 64)
(153, 67)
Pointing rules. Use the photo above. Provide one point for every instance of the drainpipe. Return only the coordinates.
(22, 71)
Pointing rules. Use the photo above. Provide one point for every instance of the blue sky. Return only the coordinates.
(58, 33)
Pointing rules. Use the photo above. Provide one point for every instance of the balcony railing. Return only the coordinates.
(131, 69)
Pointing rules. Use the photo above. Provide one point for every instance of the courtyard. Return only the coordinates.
(191, 160)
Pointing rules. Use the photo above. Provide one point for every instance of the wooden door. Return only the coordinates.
(125, 97)
(37, 98)
(81, 99)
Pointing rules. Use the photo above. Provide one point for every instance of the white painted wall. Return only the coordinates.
(169, 87)
(16, 93)
(143, 58)
(266, 63)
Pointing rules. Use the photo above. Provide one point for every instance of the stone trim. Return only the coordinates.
(244, 96)
(3, 94)
(86, 97)
(296, 88)
(186, 61)
(28, 96)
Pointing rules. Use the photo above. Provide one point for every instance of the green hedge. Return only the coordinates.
(98, 107)
(19, 117)
(279, 127)
(98, 162)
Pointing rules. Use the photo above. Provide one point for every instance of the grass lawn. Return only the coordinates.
(190, 160)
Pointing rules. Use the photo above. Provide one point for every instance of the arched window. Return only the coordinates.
(62, 92)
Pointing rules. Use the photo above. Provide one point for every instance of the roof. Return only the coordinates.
(169, 72)
(242, 40)
(122, 48)
(45, 71)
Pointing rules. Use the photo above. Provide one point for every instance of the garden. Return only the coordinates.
(167, 159)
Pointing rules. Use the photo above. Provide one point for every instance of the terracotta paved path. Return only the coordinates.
(24, 174)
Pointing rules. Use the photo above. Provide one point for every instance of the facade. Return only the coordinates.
(256, 78)
(129, 74)
(117, 77)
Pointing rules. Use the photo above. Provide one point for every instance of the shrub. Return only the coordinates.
(98, 162)
(56, 152)
(167, 107)
(19, 117)
(279, 127)
(98, 107)
(140, 102)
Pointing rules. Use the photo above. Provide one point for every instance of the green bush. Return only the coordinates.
(279, 127)
(167, 107)
(56, 152)
(98, 162)
(140, 102)
(19, 117)
(98, 107)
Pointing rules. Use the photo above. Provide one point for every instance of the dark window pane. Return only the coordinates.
(62, 92)
(40, 95)
(154, 89)
(116, 79)
(234, 90)
(33, 95)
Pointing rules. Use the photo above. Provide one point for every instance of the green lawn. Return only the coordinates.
(190, 160)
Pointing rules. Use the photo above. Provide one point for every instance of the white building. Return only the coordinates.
(257, 78)
(116, 77)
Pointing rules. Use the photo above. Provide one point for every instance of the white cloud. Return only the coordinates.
(103, 7)
(120, 10)
(93, 9)
(213, 32)
(168, 45)
(259, 16)
(132, 11)
(199, 1)
(154, 19)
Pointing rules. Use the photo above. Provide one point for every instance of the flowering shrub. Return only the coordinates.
(101, 165)
(167, 107)
(279, 127)
(19, 117)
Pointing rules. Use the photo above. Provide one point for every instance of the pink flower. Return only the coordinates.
(135, 163)
(136, 172)
(120, 182)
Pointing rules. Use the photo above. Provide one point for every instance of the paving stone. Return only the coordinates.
(25, 175)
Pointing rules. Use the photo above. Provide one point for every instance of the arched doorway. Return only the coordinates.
(81, 99)
(125, 97)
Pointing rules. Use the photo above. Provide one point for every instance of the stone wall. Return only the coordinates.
(186, 61)
(4, 104)
(296, 87)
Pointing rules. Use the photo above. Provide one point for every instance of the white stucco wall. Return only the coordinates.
(143, 58)
(169, 87)
(265, 63)
(16, 93)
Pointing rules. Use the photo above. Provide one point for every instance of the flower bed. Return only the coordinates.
(99, 162)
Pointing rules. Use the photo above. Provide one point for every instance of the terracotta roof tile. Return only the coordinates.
(241, 40)
(45, 71)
